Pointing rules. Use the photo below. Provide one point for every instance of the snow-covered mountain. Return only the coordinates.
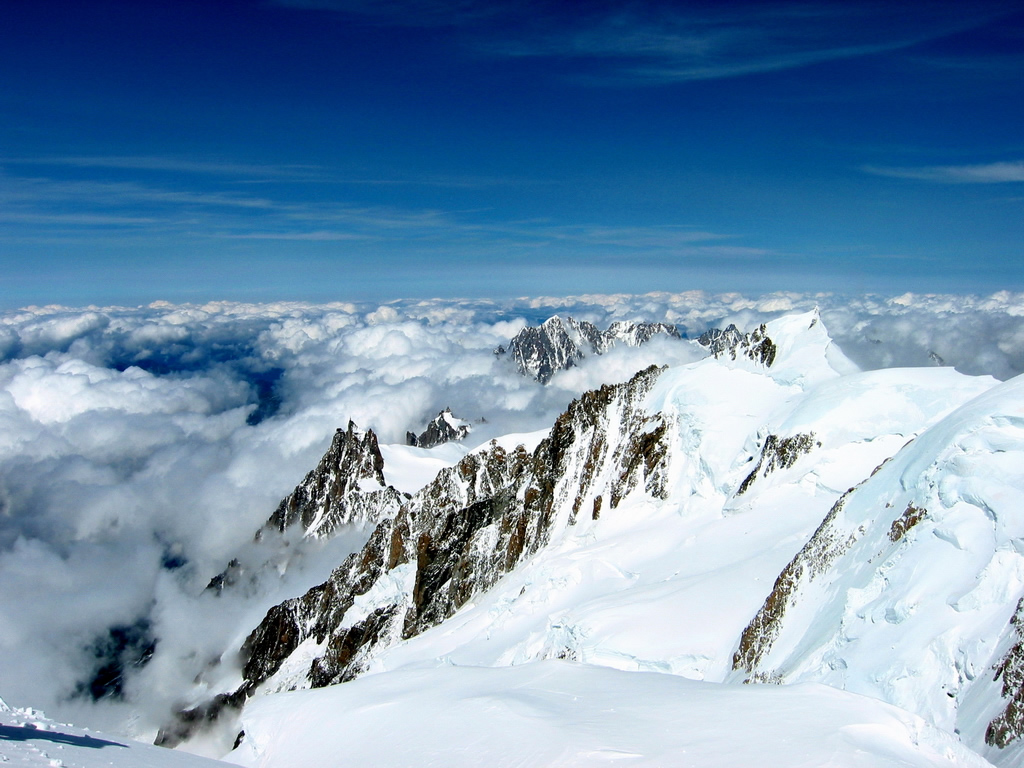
(443, 428)
(561, 343)
(765, 556)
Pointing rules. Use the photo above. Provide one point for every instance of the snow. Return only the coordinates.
(916, 621)
(29, 739)
(408, 469)
(561, 713)
(615, 641)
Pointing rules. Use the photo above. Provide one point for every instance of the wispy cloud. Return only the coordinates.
(107, 194)
(660, 41)
(987, 173)
(170, 165)
(318, 236)
(41, 209)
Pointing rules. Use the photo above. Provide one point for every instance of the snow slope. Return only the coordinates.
(557, 713)
(29, 739)
(920, 575)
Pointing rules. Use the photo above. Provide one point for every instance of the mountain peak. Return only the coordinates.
(443, 428)
(559, 343)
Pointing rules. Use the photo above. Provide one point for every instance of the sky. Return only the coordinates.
(320, 150)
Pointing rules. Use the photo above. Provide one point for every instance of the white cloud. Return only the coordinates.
(987, 173)
(124, 438)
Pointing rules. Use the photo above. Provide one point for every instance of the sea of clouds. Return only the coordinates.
(141, 448)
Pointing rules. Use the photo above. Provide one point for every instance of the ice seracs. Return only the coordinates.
(908, 590)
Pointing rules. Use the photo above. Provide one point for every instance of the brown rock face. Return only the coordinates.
(1008, 725)
(346, 486)
(475, 522)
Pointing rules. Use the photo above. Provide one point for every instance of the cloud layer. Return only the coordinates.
(140, 448)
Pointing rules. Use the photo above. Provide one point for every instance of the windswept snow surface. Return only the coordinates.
(28, 739)
(917, 609)
(557, 713)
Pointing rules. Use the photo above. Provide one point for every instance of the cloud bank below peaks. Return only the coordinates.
(141, 447)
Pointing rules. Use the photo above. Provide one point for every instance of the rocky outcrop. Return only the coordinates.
(443, 428)
(733, 343)
(1008, 725)
(559, 344)
(779, 453)
(475, 522)
(347, 486)
(828, 543)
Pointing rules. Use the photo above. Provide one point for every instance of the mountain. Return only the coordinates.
(910, 589)
(346, 489)
(724, 521)
(766, 515)
(558, 344)
(443, 428)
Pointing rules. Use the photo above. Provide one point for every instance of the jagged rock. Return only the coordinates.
(443, 428)
(1008, 725)
(755, 345)
(827, 544)
(779, 453)
(347, 486)
(226, 578)
(559, 344)
(475, 522)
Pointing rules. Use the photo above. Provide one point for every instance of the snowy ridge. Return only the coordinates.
(453, 539)
(558, 344)
(907, 590)
(443, 428)
(346, 487)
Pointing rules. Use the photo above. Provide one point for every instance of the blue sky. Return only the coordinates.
(347, 149)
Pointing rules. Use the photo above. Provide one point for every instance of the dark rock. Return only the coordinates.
(120, 650)
(443, 428)
(475, 522)
(1008, 725)
(559, 344)
(733, 343)
(779, 453)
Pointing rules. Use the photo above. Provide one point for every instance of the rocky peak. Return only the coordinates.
(559, 344)
(347, 486)
(443, 428)
(635, 334)
(732, 342)
(453, 539)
